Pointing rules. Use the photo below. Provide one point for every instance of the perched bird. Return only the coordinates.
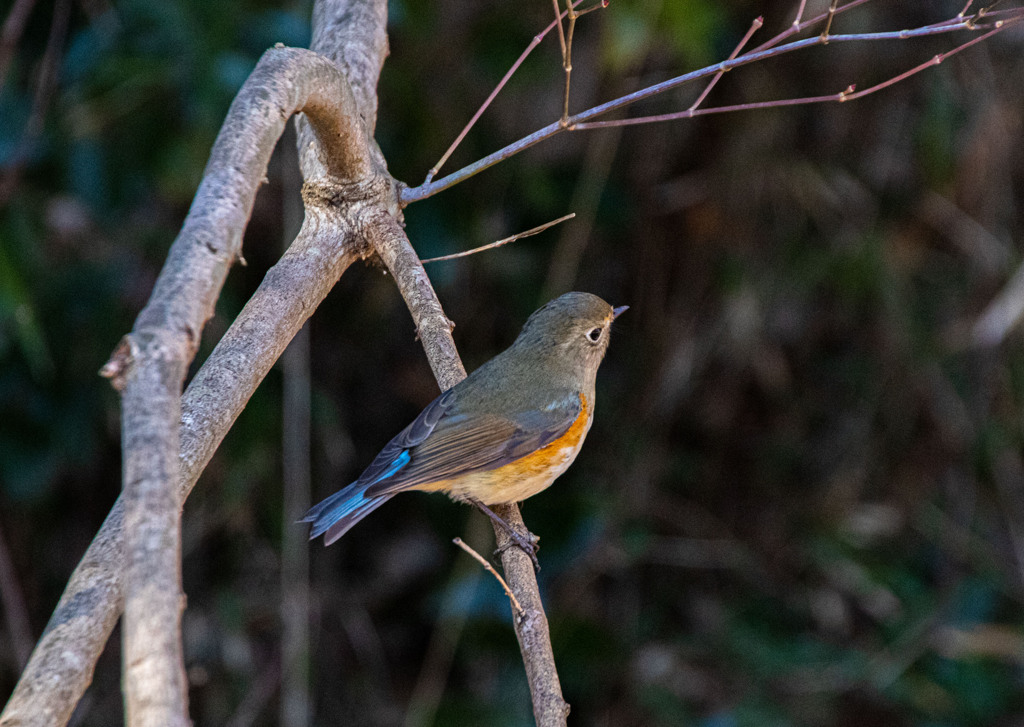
(502, 434)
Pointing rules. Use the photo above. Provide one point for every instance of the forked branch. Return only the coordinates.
(501, 84)
(987, 21)
(285, 81)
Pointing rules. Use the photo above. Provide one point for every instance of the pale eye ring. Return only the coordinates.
(594, 334)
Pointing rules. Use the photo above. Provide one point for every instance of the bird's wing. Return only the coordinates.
(449, 443)
(395, 456)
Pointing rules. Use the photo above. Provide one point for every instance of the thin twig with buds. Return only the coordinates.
(799, 24)
(567, 55)
(501, 84)
(996, 21)
(828, 22)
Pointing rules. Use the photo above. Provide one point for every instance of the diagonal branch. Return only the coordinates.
(434, 328)
(490, 569)
(754, 26)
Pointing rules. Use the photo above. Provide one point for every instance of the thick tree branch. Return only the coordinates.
(166, 336)
(285, 81)
(434, 329)
(353, 34)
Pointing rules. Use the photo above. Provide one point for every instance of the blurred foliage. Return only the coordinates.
(801, 501)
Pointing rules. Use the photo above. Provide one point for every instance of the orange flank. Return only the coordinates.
(525, 476)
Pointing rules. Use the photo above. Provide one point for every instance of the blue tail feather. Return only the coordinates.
(339, 512)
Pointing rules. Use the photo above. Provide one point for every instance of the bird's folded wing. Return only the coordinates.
(459, 443)
(383, 465)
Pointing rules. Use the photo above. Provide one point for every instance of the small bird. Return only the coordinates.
(502, 434)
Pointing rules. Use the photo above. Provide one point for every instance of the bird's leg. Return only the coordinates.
(529, 543)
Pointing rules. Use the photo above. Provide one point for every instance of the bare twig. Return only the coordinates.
(490, 569)
(933, 61)
(572, 16)
(828, 22)
(567, 58)
(505, 241)
(501, 84)
(583, 120)
(799, 24)
(841, 96)
(758, 22)
(848, 94)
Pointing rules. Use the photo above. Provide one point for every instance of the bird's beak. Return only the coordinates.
(616, 312)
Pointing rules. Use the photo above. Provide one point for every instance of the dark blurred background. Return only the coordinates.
(802, 500)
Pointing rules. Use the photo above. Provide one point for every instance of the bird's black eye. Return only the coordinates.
(594, 334)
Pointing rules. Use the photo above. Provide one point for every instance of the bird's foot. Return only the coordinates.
(528, 543)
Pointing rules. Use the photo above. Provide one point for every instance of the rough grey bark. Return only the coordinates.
(153, 667)
(285, 81)
(152, 363)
